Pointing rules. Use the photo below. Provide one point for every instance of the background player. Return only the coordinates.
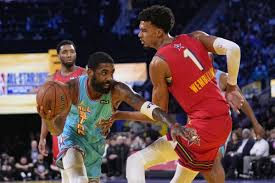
(67, 54)
(94, 97)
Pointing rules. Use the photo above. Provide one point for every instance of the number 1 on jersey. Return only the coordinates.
(188, 53)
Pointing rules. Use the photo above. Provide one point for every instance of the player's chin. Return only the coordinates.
(106, 90)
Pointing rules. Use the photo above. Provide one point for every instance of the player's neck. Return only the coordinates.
(166, 40)
(93, 94)
(67, 70)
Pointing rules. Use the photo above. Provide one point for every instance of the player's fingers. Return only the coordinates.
(49, 114)
(41, 111)
(44, 153)
(234, 107)
(42, 150)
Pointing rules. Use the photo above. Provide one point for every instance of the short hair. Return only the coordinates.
(247, 131)
(62, 43)
(98, 58)
(160, 16)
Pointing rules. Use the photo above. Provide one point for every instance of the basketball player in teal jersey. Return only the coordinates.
(95, 97)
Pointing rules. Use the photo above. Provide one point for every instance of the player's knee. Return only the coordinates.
(134, 160)
(73, 159)
(135, 169)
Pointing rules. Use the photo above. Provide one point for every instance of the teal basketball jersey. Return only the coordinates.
(83, 128)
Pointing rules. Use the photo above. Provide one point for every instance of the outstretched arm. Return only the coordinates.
(139, 104)
(131, 115)
(246, 108)
(222, 46)
(232, 51)
(154, 112)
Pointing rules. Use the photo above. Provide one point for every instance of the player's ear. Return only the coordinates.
(159, 32)
(90, 72)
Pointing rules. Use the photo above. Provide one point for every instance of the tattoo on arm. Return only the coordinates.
(129, 96)
(162, 116)
(136, 101)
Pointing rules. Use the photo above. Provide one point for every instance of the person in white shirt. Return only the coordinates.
(260, 149)
(236, 158)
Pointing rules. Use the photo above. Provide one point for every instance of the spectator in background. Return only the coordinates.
(260, 149)
(137, 144)
(33, 154)
(24, 169)
(236, 158)
(153, 131)
(271, 142)
(123, 151)
(112, 158)
(41, 169)
(7, 169)
(231, 149)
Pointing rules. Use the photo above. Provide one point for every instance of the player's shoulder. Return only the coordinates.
(197, 34)
(159, 65)
(80, 70)
(118, 86)
(157, 61)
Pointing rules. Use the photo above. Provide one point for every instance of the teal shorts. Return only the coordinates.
(92, 153)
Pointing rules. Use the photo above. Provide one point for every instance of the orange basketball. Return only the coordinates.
(53, 96)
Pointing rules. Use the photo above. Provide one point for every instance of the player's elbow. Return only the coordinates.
(235, 49)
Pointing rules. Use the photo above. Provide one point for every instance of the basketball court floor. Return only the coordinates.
(163, 181)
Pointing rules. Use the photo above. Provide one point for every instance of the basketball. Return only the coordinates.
(53, 96)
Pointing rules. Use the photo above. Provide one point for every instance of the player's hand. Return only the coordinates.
(259, 130)
(55, 124)
(190, 134)
(114, 116)
(234, 97)
(42, 147)
(45, 114)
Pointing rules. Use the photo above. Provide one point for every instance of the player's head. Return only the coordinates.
(155, 23)
(101, 70)
(67, 53)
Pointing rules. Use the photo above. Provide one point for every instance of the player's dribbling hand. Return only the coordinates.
(55, 124)
(234, 97)
(190, 134)
(42, 147)
(45, 114)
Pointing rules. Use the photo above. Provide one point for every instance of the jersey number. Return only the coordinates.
(188, 53)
